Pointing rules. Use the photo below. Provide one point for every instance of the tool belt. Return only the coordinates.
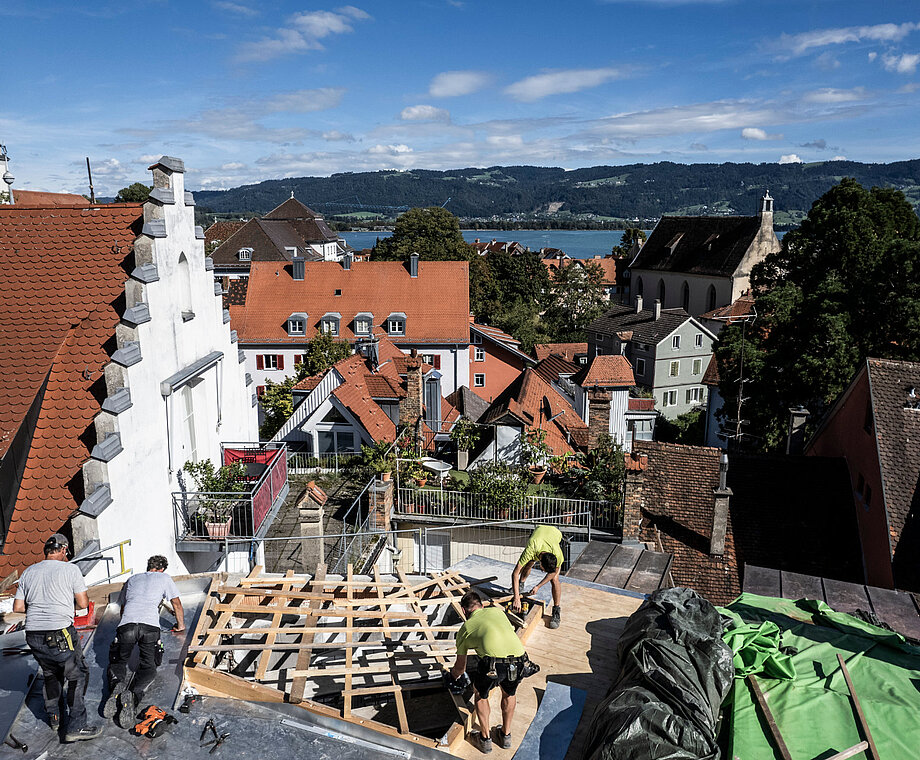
(61, 640)
(518, 666)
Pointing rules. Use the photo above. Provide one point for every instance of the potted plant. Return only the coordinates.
(380, 458)
(535, 452)
(213, 508)
(465, 434)
(416, 472)
(503, 486)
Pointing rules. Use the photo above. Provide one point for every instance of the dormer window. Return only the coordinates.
(297, 324)
(245, 254)
(396, 323)
(364, 322)
(330, 323)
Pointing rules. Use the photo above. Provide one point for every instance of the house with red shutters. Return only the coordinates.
(420, 305)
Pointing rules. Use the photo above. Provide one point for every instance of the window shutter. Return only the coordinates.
(260, 389)
(280, 361)
(437, 361)
(260, 362)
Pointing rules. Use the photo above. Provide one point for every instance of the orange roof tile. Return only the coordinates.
(742, 306)
(711, 375)
(37, 199)
(436, 303)
(606, 370)
(62, 274)
(567, 351)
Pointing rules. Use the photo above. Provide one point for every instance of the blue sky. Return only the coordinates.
(245, 91)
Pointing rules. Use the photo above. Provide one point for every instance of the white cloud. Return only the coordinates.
(558, 82)
(833, 95)
(902, 64)
(799, 44)
(232, 166)
(839, 158)
(334, 135)
(424, 113)
(242, 10)
(694, 118)
(755, 133)
(389, 150)
(790, 158)
(505, 141)
(872, 56)
(302, 33)
(303, 101)
(449, 84)
(827, 62)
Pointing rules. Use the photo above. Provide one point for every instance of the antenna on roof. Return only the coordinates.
(89, 172)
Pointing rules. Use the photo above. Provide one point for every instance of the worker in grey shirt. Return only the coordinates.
(140, 626)
(46, 592)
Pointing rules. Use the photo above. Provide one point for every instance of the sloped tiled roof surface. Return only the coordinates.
(792, 513)
(711, 375)
(742, 306)
(235, 294)
(552, 366)
(355, 396)
(567, 351)
(643, 326)
(221, 231)
(605, 370)
(710, 245)
(531, 400)
(62, 275)
(436, 303)
(38, 199)
(468, 403)
(897, 430)
(500, 335)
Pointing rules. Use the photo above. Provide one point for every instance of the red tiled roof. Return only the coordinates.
(641, 404)
(499, 335)
(436, 303)
(742, 306)
(380, 386)
(605, 370)
(221, 231)
(711, 375)
(62, 274)
(568, 351)
(553, 366)
(37, 199)
(354, 395)
(608, 264)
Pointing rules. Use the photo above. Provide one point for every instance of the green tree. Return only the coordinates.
(322, 352)
(433, 233)
(135, 193)
(577, 298)
(688, 428)
(630, 235)
(600, 474)
(844, 286)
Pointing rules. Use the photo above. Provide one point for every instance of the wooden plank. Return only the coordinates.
(276, 621)
(397, 691)
(297, 629)
(646, 576)
(873, 750)
(202, 625)
(619, 566)
(798, 586)
(349, 654)
(299, 684)
(846, 597)
(305, 612)
(293, 647)
(771, 721)
(896, 609)
(851, 752)
(764, 581)
(591, 560)
(357, 600)
(346, 670)
(222, 620)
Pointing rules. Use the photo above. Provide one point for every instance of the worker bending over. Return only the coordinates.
(545, 547)
(46, 593)
(139, 627)
(502, 662)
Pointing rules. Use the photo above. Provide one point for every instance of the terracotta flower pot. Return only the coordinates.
(537, 474)
(420, 482)
(218, 529)
(385, 476)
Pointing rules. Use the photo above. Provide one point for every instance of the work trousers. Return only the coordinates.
(60, 666)
(147, 639)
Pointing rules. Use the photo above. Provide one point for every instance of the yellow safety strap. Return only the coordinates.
(66, 633)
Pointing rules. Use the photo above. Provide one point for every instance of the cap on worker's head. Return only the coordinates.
(55, 542)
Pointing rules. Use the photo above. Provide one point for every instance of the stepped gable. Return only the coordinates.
(707, 245)
(62, 279)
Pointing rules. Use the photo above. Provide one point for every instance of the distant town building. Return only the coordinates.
(701, 263)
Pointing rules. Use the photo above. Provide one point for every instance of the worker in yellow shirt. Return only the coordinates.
(502, 662)
(545, 547)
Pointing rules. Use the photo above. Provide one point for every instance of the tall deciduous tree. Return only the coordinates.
(631, 235)
(577, 298)
(135, 193)
(844, 286)
(433, 233)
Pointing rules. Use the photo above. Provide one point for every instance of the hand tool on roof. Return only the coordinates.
(154, 722)
(218, 738)
(873, 751)
(12, 741)
(187, 703)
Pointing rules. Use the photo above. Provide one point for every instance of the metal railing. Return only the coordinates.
(475, 506)
(305, 462)
(100, 555)
(216, 516)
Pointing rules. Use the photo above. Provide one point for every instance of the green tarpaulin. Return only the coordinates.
(792, 647)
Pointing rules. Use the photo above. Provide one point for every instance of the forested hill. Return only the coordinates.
(601, 192)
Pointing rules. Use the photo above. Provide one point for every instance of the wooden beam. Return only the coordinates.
(276, 621)
(354, 601)
(295, 646)
(305, 612)
(397, 693)
(771, 721)
(202, 624)
(296, 629)
(873, 750)
(298, 685)
(222, 620)
(349, 655)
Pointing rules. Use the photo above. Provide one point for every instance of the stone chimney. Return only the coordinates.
(657, 309)
(636, 465)
(638, 304)
(795, 436)
(598, 415)
(410, 408)
(721, 495)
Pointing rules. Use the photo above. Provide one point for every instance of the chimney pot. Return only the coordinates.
(657, 309)
(638, 304)
(346, 261)
(413, 265)
(721, 497)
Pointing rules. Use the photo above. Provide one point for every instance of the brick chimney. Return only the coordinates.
(795, 436)
(636, 465)
(410, 408)
(598, 415)
(721, 496)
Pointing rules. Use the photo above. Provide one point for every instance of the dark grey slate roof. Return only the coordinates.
(712, 245)
(644, 327)
(469, 403)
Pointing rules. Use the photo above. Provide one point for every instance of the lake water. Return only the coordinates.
(579, 244)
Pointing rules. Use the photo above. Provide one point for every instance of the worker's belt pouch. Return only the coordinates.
(158, 654)
(529, 668)
(58, 640)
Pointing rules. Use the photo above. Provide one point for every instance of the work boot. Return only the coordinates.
(111, 704)
(554, 620)
(83, 734)
(503, 739)
(483, 742)
(127, 709)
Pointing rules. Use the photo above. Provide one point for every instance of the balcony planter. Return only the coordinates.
(537, 474)
(421, 482)
(385, 476)
(218, 529)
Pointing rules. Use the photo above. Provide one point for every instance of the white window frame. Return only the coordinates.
(669, 398)
(362, 326)
(640, 366)
(269, 362)
(479, 354)
(599, 336)
(330, 327)
(396, 327)
(188, 422)
(674, 368)
(675, 343)
(297, 327)
(693, 395)
(698, 340)
(697, 367)
(477, 339)
(479, 380)
(245, 254)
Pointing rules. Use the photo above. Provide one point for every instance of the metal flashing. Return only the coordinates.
(163, 195)
(155, 228)
(146, 273)
(117, 402)
(85, 555)
(189, 198)
(199, 232)
(169, 162)
(137, 314)
(95, 504)
(241, 355)
(128, 355)
(208, 263)
(218, 288)
(108, 448)
(233, 336)
(255, 399)
(248, 379)
(226, 316)
(184, 375)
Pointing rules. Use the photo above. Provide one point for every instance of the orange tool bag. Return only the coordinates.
(154, 721)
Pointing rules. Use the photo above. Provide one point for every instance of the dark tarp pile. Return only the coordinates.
(795, 659)
(675, 670)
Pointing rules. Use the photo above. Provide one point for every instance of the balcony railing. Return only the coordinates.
(474, 506)
(304, 462)
(205, 516)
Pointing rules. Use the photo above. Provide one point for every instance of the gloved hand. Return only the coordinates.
(457, 685)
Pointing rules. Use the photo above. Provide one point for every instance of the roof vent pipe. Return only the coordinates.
(638, 304)
(657, 309)
(413, 265)
(298, 267)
